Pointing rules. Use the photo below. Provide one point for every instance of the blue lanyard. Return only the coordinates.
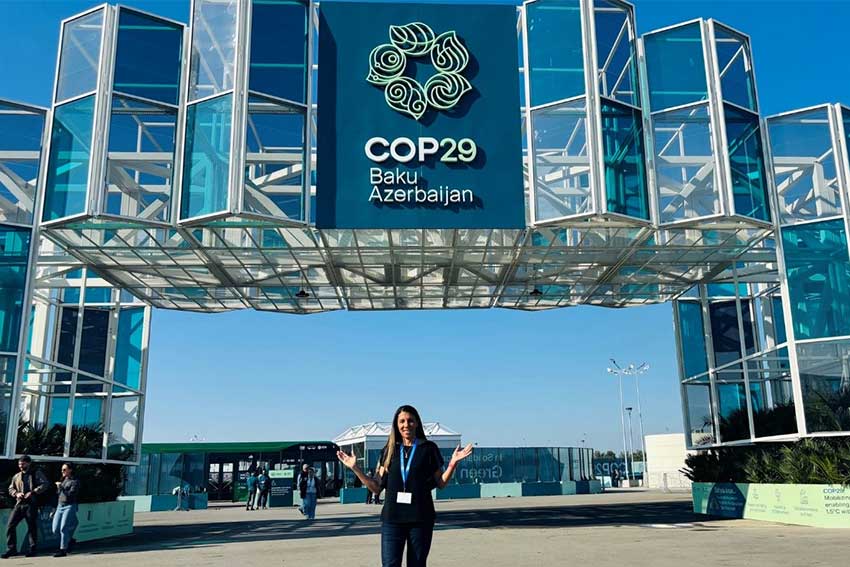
(405, 468)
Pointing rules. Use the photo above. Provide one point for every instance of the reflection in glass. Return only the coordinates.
(736, 71)
(615, 52)
(555, 54)
(68, 163)
(684, 164)
(818, 270)
(79, 56)
(562, 167)
(147, 57)
(746, 159)
(22, 130)
(14, 253)
(625, 169)
(213, 47)
(692, 338)
(675, 67)
(279, 49)
(128, 348)
(825, 380)
(207, 157)
(771, 394)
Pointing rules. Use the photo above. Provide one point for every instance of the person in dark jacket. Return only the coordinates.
(25, 486)
(309, 489)
(65, 517)
(264, 485)
(251, 481)
(411, 466)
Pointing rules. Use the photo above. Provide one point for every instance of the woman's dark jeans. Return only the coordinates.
(416, 536)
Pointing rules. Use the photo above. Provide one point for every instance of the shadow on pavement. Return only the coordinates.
(183, 536)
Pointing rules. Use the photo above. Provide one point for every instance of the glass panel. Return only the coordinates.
(771, 394)
(684, 164)
(675, 67)
(746, 158)
(732, 401)
(549, 471)
(140, 161)
(725, 336)
(818, 271)
(123, 428)
(14, 252)
(279, 49)
(555, 54)
(22, 131)
(87, 427)
(170, 472)
(804, 166)
(615, 52)
(207, 157)
(213, 47)
(136, 483)
(128, 348)
(736, 72)
(625, 173)
(147, 57)
(562, 167)
(692, 338)
(93, 340)
(825, 381)
(526, 467)
(780, 335)
(68, 162)
(275, 161)
(79, 56)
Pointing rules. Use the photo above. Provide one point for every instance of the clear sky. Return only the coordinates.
(499, 377)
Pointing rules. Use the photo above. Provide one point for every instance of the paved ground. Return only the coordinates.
(604, 530)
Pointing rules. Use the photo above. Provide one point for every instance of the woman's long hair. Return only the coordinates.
(395, 434)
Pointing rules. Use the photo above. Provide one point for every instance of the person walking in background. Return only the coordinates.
(411, 466)
(25, 486)
(369, 494)
(615, 476)
(263, 486)
(301, 474)
(309, 489)
(65, 516)
(251, 481)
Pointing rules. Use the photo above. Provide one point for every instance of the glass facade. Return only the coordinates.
(66, 191)
(675, 66)
(217, 215)
(207, 157)
(818, 271)
(623, 147)
(147, 57)
(555, 52)
(80, 56)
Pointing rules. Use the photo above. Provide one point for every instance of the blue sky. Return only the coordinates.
(499, 377)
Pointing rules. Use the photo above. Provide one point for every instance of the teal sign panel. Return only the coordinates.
(419, 117)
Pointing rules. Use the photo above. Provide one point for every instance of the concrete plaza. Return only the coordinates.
(636, 528)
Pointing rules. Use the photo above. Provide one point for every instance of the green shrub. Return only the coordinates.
(809, 461)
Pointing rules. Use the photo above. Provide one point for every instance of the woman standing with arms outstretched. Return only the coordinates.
(410, 467)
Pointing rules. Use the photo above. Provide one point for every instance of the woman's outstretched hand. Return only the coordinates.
(461, 454)
(346, 459)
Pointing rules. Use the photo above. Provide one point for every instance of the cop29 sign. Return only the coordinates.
(418, 116)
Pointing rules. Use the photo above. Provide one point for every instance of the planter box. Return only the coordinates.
(588, 486)
(164, 502)
(818, 505)
(96, 521)
(352, 496)
(458, 491)
(501, 490)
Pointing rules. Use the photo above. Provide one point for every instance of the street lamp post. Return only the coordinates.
(636, 371)
(631, 442)
(619, 372)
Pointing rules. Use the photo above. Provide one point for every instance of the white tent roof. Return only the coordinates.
(382, 429)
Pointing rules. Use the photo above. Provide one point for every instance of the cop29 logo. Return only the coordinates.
(443, 91)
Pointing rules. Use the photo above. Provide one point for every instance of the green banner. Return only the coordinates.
(818, 505)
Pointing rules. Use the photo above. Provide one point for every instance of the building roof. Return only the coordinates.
(240, 447)
(382, 429)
